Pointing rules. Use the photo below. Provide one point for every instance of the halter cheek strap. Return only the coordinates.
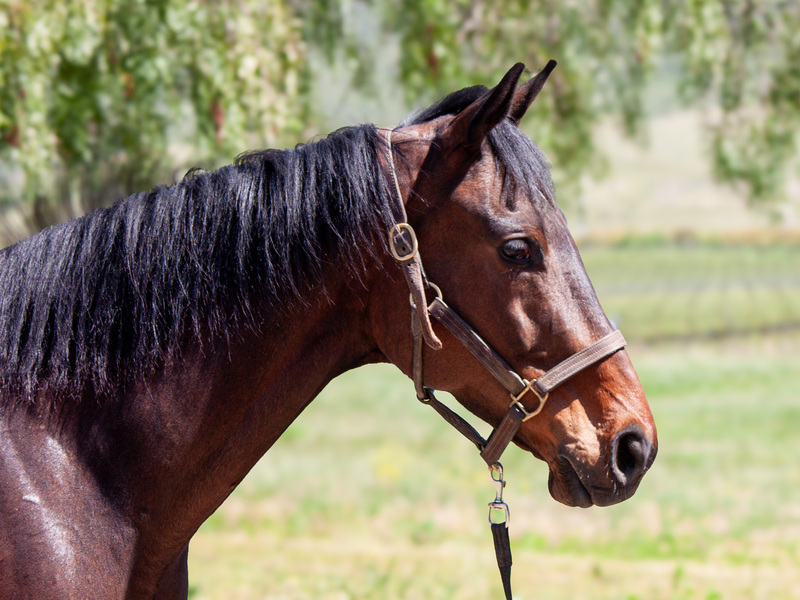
(404, 248)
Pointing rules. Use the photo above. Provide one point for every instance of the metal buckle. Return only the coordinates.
(397, 230)
(529, 387)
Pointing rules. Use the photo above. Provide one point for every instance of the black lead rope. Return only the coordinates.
(502, 544)
(502, 549)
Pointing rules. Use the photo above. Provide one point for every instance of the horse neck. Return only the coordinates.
(195, 429)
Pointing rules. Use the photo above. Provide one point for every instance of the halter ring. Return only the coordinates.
(529, 386)
(428, 286)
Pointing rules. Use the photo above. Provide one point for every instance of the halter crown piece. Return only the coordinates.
(404, 248)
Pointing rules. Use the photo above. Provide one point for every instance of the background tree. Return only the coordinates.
(94, 95)
(98, 98)
(737, 59)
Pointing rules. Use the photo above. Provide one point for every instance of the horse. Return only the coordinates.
(153, 351)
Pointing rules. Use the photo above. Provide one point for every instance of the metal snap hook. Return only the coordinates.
(498, 510)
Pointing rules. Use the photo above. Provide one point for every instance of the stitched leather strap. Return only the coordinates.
(601, 349)
(504, 433)
(455, 420)
(493, 362)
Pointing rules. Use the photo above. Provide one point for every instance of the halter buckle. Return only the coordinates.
(529, 387)
(403, 242)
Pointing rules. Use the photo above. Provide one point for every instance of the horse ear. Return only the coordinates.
(473, 123)
(527, 92)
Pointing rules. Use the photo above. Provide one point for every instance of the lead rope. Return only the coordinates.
(499, 514)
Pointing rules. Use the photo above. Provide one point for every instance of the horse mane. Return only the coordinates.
(110, 296)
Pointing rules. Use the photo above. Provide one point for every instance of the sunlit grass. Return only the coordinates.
(661, 291)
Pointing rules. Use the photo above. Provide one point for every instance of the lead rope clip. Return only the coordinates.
(498, 510)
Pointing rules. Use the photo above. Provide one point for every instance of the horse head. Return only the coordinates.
(478, 193)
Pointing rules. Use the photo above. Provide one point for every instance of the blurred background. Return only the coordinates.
(672, 130)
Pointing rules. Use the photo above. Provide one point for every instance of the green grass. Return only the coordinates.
(661, 291)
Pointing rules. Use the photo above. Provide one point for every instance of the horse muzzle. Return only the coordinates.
(608, 482)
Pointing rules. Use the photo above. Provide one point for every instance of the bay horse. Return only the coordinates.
(152, 352)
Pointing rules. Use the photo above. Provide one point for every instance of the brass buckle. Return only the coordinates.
(529, 388)
(397, 230)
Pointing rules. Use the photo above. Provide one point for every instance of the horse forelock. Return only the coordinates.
(110, 296)
(525, 168)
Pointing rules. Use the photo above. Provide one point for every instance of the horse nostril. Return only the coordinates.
(630, 452)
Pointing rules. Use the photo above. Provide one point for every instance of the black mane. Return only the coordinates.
(109, 295)
(101, 299)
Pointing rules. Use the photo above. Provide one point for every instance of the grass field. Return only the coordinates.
(658, 291)
(371, 495)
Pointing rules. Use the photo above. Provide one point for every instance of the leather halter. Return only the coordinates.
(405, 249)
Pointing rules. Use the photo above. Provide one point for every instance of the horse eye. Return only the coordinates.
(516, 251)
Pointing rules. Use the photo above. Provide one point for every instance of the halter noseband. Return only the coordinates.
(405, 249)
